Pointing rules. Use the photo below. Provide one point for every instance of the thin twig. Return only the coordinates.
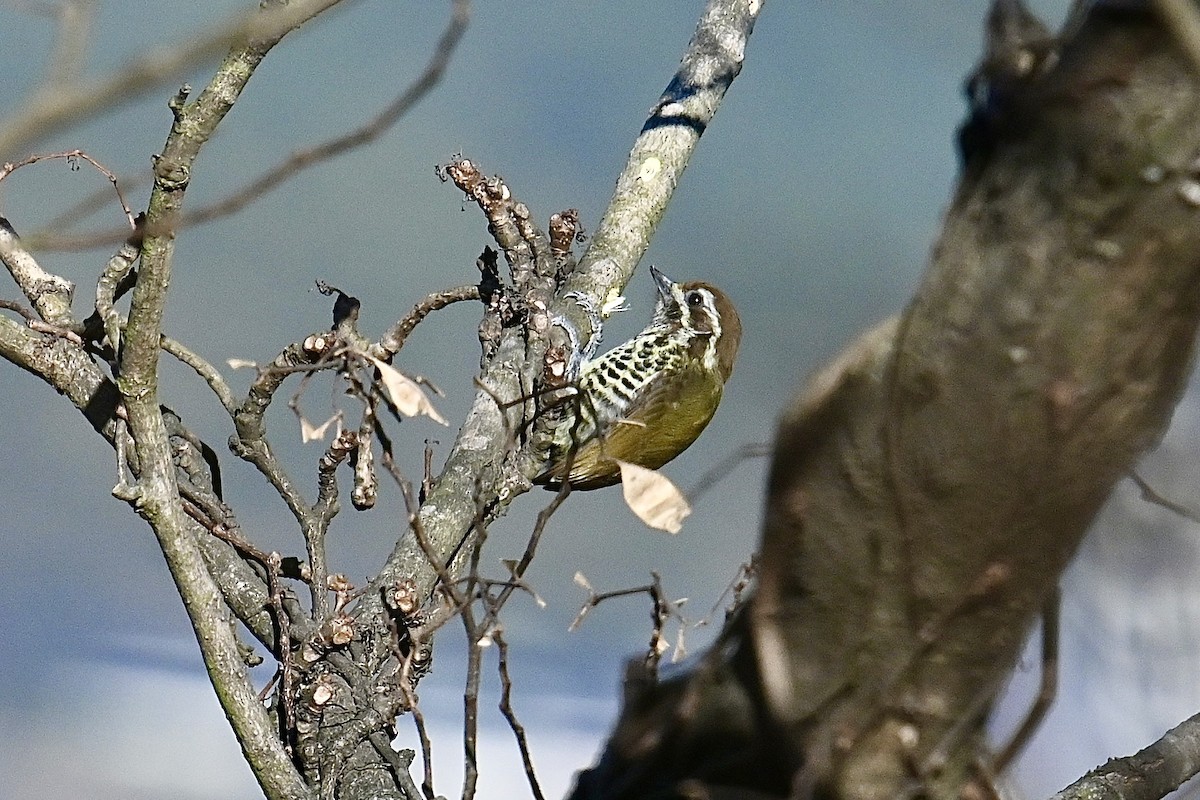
(1151, 496)
(250, 443)
(418, 528)
(287, 683)
(414, 709)
(426, 473)
(36, 324)
(471, 702)
(204, 369)
(539, 527)
(92, 203)
(26, 314)
(72, 157)
(510, 715)
(662, 610)
(391, 342)
(721, 470)
(1047, 688)
(736, 588)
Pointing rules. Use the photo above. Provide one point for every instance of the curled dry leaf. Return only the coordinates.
(651, 495)
(680, 652)
(241, 363)
(404, 392)
(313, 433)
(613, 303)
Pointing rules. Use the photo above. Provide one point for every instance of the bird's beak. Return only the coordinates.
(662, 283)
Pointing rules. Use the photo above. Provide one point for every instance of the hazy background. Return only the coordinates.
(813, 200)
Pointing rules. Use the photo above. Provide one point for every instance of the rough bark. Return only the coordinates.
(928, 489)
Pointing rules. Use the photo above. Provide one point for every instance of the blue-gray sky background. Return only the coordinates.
(813, 199)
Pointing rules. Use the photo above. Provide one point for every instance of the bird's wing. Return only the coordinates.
(678, 406)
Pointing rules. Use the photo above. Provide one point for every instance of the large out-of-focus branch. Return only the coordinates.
(928, 489)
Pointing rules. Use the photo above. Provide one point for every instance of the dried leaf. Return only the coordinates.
(680, 652)
(405, 394)
(613, 302)
(311, 433)
(582, 582)
(241, 363)
(653, 498)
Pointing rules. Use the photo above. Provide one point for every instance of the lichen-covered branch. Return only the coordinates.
(1149, 774)
(49, 294)
(661, 153)
(156, 493)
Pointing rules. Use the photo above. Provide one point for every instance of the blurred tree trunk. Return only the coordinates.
(928, 489)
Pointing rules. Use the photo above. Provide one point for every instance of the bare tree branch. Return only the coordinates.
(510, 715)
(661, 153)
(1151, 495)
(156, 493)
(72, 158)
(391, 341)
(1149, 774)
(49, 294)
(712, 61)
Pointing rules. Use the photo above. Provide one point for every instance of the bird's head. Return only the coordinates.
(706, 314)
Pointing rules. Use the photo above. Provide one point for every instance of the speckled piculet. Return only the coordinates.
(645, 401)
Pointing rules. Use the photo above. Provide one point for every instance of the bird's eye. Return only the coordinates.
(694, 299)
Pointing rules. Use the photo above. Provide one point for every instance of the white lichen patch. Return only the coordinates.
(650, 168)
